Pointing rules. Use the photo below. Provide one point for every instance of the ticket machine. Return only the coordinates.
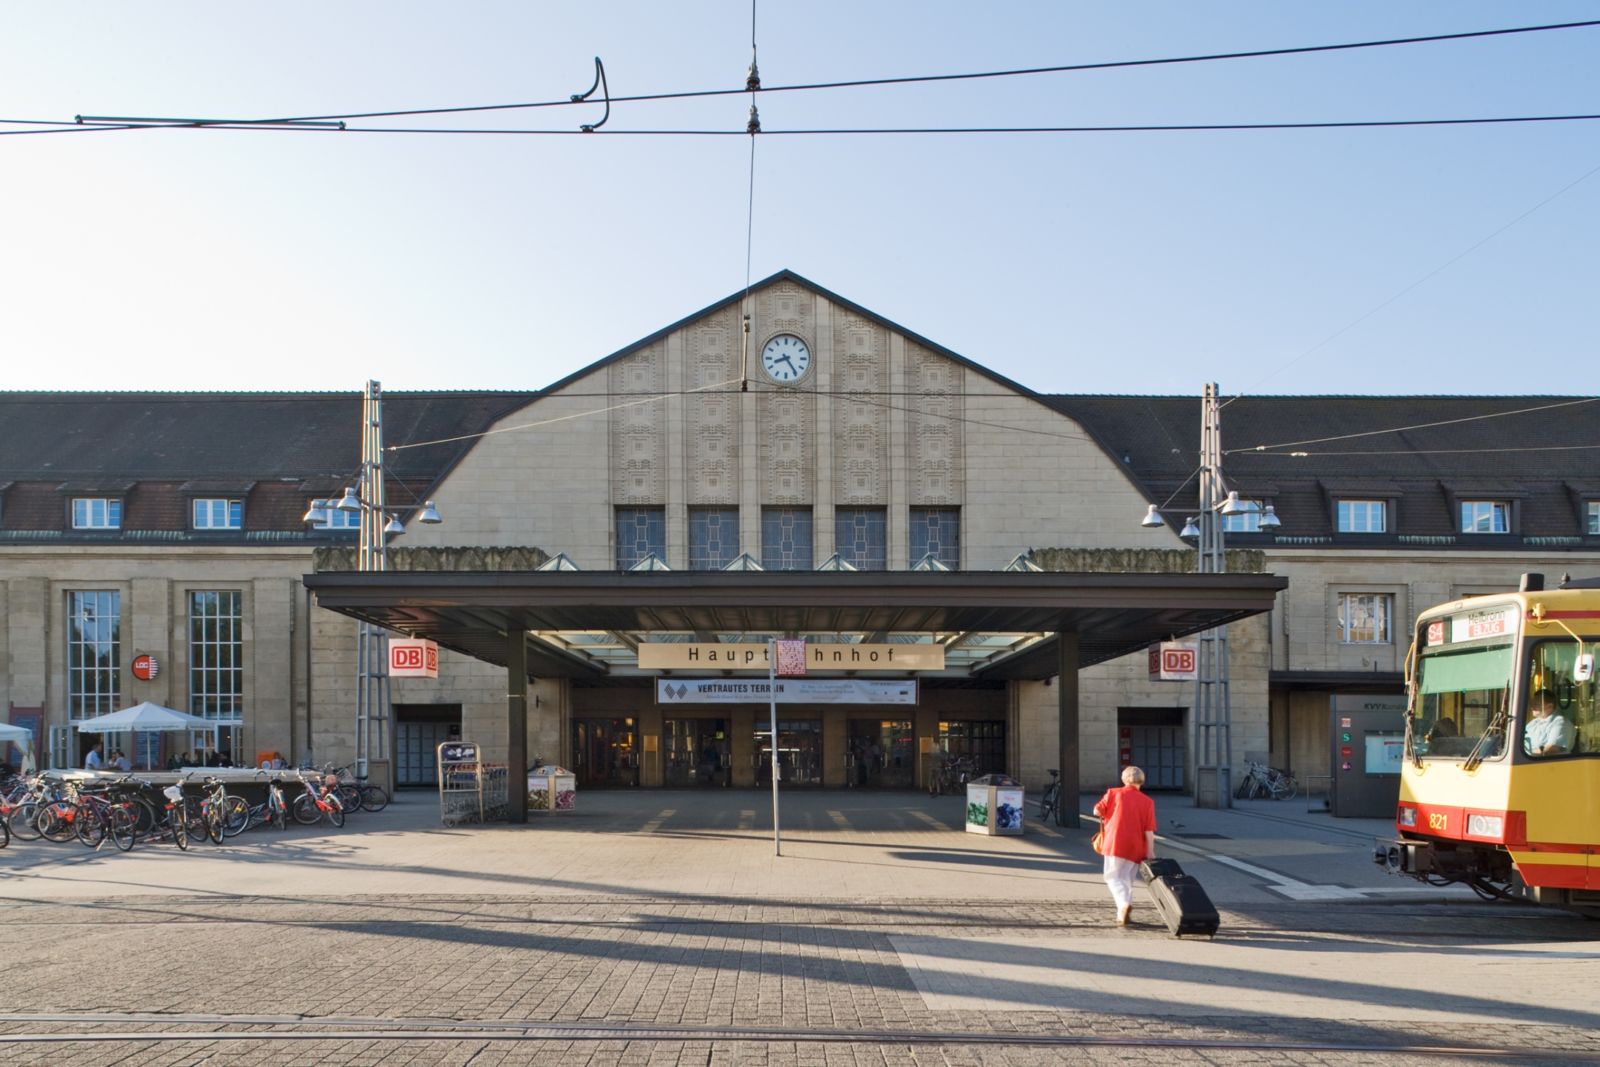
(1368, 735)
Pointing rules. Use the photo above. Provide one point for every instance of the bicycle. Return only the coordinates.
(318, 803)
(274, 809)
(1264, 781)
(1050, 802)
(174, 818)
(105, 814)
(358, 794)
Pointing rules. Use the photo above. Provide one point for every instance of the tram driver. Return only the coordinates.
(1548, 733)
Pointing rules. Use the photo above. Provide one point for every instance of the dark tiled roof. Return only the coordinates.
(102, 437)
(1543, 460)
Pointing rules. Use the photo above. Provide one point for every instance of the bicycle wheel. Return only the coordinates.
(92, 824)
(336, 813)
(305, 810)
(124, 828)
(214, 823)
(235, 816)
(194, 817)
(1047, 803)
(145, 817)
(23, 821)
(1284, 787)
(350, 797)
(5, 833)
(180, 830)
(374, 798)
(58, 821)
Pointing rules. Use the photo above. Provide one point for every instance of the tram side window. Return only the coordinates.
(1561, 718)
(1462, 700)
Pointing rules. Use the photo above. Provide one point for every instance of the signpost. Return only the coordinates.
(785, 659)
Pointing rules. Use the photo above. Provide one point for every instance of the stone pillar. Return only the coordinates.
(1067, 727)
(516, 725)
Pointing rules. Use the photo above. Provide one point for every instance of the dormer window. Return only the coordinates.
(1592, 517)
(218, 513)
(96, 513)
(1244, 521)
(1485, 517)
(1363, 516)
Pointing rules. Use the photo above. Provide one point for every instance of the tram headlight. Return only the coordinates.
(1408, 816)
(1493, 826)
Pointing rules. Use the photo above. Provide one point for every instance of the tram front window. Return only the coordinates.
(1461, 703)
(1563, 714)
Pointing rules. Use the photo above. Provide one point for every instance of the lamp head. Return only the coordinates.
(316, 513)
(1269, 518)
(1190, 530)
(1234, 506)
(1152, 518)
(350, 501)
(393, 526)
(429, 514)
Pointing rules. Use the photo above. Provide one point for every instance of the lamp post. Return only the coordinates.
(1213, 708)
(376, 522)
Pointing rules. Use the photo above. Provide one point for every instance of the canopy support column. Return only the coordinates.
(1067, 720)
(516, 725)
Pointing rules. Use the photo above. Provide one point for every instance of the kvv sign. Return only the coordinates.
(413, 658)
(1174, 661)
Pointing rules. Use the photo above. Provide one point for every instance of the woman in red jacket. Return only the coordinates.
(1128, 836)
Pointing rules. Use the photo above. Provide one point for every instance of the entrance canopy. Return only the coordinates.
(993, 624)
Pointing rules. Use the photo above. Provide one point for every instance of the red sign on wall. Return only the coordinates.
(145, 668)
(1174, 661)
(411, 657)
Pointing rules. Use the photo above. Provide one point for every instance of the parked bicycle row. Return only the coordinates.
(124, 809)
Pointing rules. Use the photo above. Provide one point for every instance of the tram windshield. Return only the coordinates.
(1562, 718)
(1461, 701)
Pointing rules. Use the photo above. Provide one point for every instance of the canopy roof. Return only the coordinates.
(585, 624)
(20, 734)
(146, 716)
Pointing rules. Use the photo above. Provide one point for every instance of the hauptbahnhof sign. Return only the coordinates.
(672, 656)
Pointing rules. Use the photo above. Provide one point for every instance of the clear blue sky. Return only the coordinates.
(1128, 262)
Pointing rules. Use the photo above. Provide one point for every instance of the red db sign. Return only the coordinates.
(1173, 661)
(413, 658)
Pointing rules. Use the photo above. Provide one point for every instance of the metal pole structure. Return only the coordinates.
(1213, 722)
(772, 721)
(372, 677)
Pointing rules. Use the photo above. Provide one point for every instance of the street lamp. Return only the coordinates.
(376, 524)
(1213, 709)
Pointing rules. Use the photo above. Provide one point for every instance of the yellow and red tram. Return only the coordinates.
(1500, 788)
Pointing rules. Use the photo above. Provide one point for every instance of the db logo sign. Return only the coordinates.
(1173, 661)
(413, 658)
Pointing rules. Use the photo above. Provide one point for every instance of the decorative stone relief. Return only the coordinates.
(860, 430)
(935, 441)
(785, 307)
(788, 455)
(638, 431)
(713, 351)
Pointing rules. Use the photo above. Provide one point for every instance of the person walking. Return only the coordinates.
(1127, 837)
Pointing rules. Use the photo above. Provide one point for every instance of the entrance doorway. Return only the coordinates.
(419, 730)
(799, 752)
(1152, 739)
(605, 752)
(881, 753)
(695, 752)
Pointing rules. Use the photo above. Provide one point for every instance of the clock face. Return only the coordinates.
(786, 358)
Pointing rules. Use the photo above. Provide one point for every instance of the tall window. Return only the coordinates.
(936, 531)
(1365, 618)
(786, 539)
(640, 531)
(94, 657)
(713, 538)
(216, 655)
(1362, 516)
(218, 514)
(96, 513)
(1485, 516)
(861, 537)
(1593, 510)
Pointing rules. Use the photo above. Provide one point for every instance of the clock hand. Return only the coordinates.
(785, 358)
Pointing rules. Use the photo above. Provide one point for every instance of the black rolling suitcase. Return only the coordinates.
(1183, 904)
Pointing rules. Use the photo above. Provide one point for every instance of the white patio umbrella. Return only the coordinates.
(20, 736)
(144, 717)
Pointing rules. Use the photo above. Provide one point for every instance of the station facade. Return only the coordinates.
(169, 527)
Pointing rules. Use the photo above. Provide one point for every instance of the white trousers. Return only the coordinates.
(1119, 875)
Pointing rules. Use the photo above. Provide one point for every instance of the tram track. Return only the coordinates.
(103, 1027)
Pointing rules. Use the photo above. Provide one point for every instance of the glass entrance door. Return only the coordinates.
(799, 752)
(605, 752)
(695, 752)
(881, 753)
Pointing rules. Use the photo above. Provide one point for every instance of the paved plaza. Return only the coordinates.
(660, 928)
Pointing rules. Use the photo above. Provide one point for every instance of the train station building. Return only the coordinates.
(615, 538)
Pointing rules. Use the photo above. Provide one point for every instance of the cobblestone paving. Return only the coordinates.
(372, 965)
